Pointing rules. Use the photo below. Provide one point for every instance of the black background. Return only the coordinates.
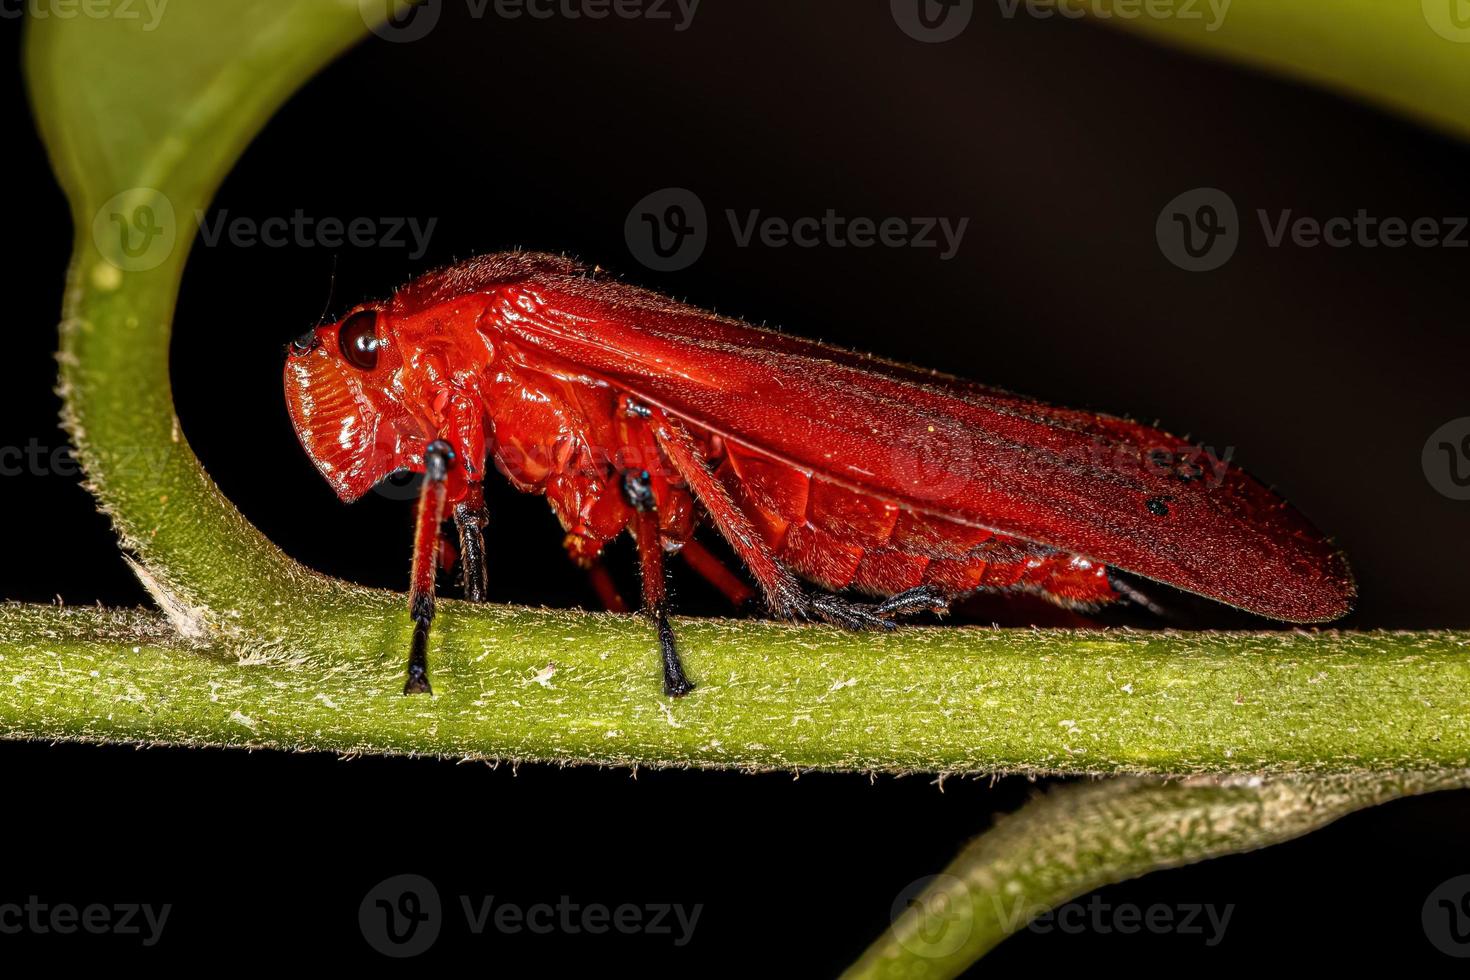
(1325, 368)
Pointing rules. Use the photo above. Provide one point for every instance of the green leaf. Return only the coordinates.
(1408, 56)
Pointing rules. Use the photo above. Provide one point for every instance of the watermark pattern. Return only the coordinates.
(566, 917)
(1205, 920)
(38, 918)
(150, 12)
(1200, 230)
(935, 916)
(1446, 917)
(669, 230)
(402, 21)
(137, 230)
(1450, 19)
(1210, 13)
(932, 21)
(304, 231)
(1446, 459)
(37, 459)
(937, 21)
(403, 916)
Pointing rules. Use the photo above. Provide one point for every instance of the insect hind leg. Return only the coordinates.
(872, 616)
(1133, 595)
(923, 598)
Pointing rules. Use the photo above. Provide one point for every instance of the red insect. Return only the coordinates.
(628, 410)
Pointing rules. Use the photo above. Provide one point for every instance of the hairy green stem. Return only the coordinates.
(140, 141)
(561, 686)
(1079, 838)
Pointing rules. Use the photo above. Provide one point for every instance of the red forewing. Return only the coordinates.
(1113, 490)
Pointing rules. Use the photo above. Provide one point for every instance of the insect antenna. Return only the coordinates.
(331, 293)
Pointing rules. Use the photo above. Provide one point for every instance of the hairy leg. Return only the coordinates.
(438, 457)
(470, 518)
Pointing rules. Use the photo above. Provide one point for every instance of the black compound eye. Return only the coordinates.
(358, 340)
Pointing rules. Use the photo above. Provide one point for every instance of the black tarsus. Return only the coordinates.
(676, 683)
(860, 616)
(418, 658)
(471, 521)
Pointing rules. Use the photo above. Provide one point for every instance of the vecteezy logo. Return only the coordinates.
(400, 485)
(1446, 917)
(401, 916)
(933, 916)
(1450, 19)
(1446, 459)
(135, 230)
(400, 21)
(1198, 230)
(932, 21)
(667, 230)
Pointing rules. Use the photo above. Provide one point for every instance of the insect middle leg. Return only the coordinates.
(638, 489)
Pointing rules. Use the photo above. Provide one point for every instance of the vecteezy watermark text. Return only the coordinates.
(1200, 229)
(402, 916)
(148, 11)
(411, 20)
(571, 918)
(934, 917)
(936, 21)
(304, 231)
(1206, 920)
(137, 230)
(1210, 12)
(64, 919)
(669, 229)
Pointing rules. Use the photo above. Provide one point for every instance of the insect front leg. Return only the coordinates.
(638, 489)
(438, 458)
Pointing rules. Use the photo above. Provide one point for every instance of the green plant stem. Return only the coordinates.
(559, 686)
(170, 111)
(1078, 838)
